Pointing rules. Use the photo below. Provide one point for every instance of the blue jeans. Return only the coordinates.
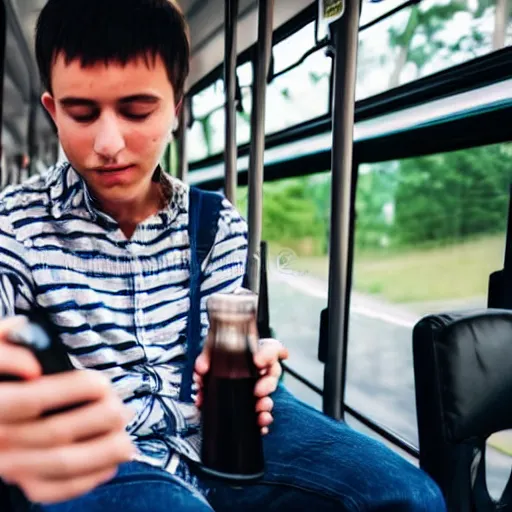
(313, 463)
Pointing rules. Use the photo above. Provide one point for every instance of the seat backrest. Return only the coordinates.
(463, 379)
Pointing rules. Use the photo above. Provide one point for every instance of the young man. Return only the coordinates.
(102, 245)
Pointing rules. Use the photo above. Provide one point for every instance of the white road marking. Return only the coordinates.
(314, 288)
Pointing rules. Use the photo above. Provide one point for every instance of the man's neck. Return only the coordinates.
(130, 214)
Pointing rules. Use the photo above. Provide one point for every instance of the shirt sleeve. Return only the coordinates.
(224, 267)
(16, 284)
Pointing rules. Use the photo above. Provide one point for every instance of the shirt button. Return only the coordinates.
(28, 243)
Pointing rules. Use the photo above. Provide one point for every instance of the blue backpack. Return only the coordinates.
(204, 210)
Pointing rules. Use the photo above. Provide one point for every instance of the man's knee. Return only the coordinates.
(415, 491)
(394, 484)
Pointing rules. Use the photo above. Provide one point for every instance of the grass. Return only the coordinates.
(458, 271)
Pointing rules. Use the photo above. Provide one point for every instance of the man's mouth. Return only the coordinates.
(113, 168)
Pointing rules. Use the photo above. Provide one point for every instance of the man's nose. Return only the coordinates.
(109, 140)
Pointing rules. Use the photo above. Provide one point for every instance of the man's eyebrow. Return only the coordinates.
(139, 98)
(77, 102)
(71, 101)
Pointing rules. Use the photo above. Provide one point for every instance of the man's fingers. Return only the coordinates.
(270, 353)
(266, 356)
(68, 461)
(85, 422)
(16, 361)
(264, 404)
(21, 401)
(199, 399)
(202, 363)
(265, 386)
(53, 491)
(9, 324)
(264, 407)
(275, 370)
(265, 419)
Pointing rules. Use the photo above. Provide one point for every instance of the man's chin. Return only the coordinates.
(115, 195)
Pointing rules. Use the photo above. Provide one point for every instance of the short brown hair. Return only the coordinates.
(114, 30)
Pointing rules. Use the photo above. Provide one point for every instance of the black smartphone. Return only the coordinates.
(40, 336)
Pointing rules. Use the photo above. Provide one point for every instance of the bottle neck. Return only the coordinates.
(232, 347)
(231, 335)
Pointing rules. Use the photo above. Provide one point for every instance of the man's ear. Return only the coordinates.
(177, 109)
(49, 104)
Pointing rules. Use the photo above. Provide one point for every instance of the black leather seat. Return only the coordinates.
(463, 377)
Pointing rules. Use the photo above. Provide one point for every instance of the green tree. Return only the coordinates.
(319, 191)
(452, 196)
(502, 15)
(477, 39)
(427, 22)
(290, 213)
(375, 191)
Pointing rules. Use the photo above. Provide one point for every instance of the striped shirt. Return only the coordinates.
(121, 304)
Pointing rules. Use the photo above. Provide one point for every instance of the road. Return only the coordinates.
(380, 379)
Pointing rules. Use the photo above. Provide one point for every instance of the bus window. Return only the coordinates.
(425, 38)
(285, 94)
(429, 231)
(296, 215)
(206, 136)
(300, 94)
(303, 92)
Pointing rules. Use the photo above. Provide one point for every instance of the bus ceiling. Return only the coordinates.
(206, 21)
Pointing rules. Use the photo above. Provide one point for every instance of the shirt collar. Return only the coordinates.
(69, 193)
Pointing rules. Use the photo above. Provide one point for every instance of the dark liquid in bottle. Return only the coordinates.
(232, 445)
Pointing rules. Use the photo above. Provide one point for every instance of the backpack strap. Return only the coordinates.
(203, 220)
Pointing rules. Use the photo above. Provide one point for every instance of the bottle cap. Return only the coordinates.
(242, 302)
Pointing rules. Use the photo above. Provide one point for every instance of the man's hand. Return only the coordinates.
(65, 455)
(267, 360)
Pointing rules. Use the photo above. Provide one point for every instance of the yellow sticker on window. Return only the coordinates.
(331, 10)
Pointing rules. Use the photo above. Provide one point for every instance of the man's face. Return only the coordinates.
(114, 123)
